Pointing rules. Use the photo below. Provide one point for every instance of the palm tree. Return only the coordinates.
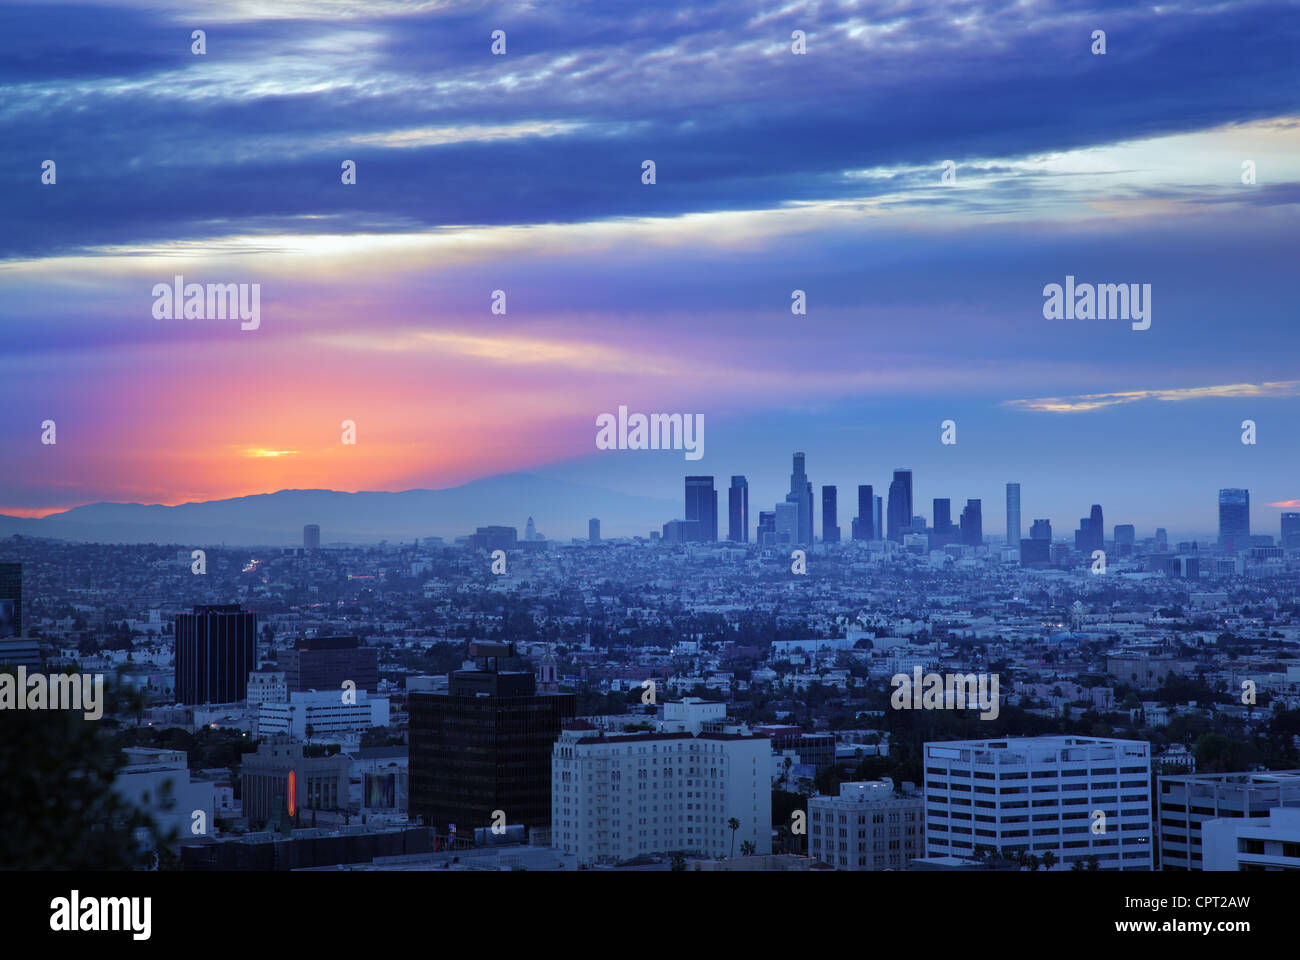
(1049, 860)
(748, 848)
(734, 824)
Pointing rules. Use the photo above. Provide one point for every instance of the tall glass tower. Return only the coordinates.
(900, 504)
(738, 510)
(1234, 519)
(801, 495)
(1013, 515)
(702, 506)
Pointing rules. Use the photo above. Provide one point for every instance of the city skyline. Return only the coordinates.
(379, 299)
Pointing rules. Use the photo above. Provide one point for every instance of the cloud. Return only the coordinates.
(1096, 401)
(1287, 504)
(155, 144)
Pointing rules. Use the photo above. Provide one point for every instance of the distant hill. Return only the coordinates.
(560, 510)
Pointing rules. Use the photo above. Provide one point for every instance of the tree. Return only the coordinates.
(1049, 860)
(678, 862)
(734, 824)
(60, 809)
(748, 848)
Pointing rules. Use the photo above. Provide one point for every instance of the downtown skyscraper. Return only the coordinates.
(900, 505)
(801, 495)
(972, 524)
(1013, 515)
(1234, 519)
(864, 524)
(830, 518)
(738, 510)
(1091, 534)
(942, 522)
(702, 507)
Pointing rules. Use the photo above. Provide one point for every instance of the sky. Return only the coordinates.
(774, 172)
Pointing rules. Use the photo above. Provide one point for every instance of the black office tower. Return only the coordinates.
(972, 524)
(1091, 534)
(738, 510)
(864, 526)
(942, 516)
(323, 663)
(830, 516)
(11, 599)
(702, 506)
(216, 649)
(484, 746)
(899, 519)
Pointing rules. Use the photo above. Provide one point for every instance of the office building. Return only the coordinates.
(21, 652)
(972, 524)
(1125, 535)
(484, 745)
(1234, 520)
(702, 506)
(1254, 845)
(801, 495)
(216, 649)
(1038, 795)
(311, 537)
(319, 783)
(322, 717)
(765, 534)
(864, 524)
(738, 510)
(681, 531)
(493, 538)
(867, 826)
(618, 796)
(900, 505)
(1091, 534)
(878, 521)
(786, 524)
(593, 530)
(1290, 531)
(266, 685)
(942, 532)
(1188, 802)
(1013, 515)
(830, 518)
(1041, 530)
(11, 600)
(324, 663)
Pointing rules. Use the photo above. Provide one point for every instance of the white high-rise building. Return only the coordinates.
(867, 827)
(1188, 801)
(1254, 844)
(1077, 797)
(614, 797)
